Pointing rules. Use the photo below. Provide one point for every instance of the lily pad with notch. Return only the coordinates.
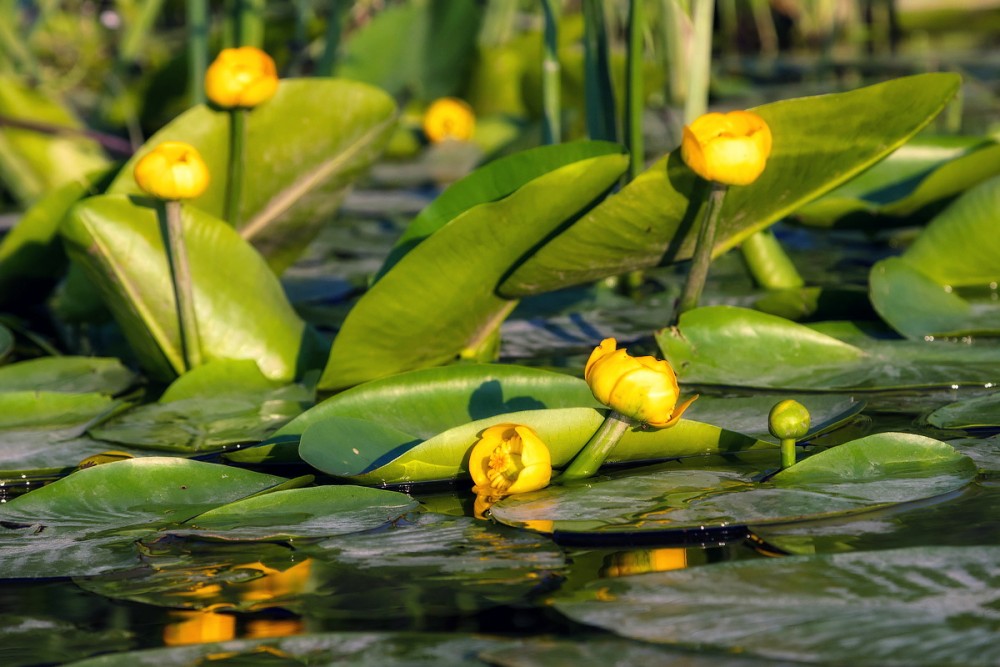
(694, 497)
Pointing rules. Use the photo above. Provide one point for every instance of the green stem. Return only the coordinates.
(197, 21)
(234, 174)
(787, 453)
(551, 128)
(598, 92)
(328, 60)
(769, 264)
(246, 20)
(674, 56)
(593, 454)
(635, 93)
(136, 34)
(698, 272)
(180, 275)
(700, 66)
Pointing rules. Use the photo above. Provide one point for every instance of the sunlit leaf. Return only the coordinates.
(305, 147)
(118, 242)
(910, 185)
(75, 375)
(819, 143)
(441, 296)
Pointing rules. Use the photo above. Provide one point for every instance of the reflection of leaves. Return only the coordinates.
(920, 606)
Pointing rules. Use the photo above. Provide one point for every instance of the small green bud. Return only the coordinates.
(788, 420)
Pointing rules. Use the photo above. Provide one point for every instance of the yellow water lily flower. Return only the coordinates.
(241, 77)
(643, 388)
(730, 148)
(449, 118)
(507, 459)
(172, 170)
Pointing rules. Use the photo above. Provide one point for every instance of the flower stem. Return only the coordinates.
(634, 90)
(180, 275)
(598, 447)
(234, 176)
(769, 264)
(698, 272)
(787, 452)
(551, 128)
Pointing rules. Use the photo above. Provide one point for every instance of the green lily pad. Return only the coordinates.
(915, 292)
(293, 513)
(32, 640)
(968, 519)
(422, 403)
(443, 299)
(749, 414)
(909, 186)
(901, 607)
(725, 345)
(39, 431)
(393, 457)
(978, 412)
(77, 375)
(364, 649)
(819, 143)
(692, 495)
(118, 242)
(134, 492)
(307, 145)
(207, 422)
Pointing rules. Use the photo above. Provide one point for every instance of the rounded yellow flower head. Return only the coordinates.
(172, 170)
(242, 77)
(788, 420)
(449, 118)
(509, 458)
(643, 388)
(729, 148)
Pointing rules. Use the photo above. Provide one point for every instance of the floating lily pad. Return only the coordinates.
(692, 495)
(39, 430)
(978, 412)
(967, 519)
(725, 345)
(909, 186)
(207, 423)
(33, 640)
(749, 414)
(915, 293)
(370, 453)
(294, 513)
(75, 375)
(904, 607)
(420, 404)
(357, 648)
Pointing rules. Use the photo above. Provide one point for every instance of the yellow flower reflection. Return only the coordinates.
(643, 388)
(730, 148)
(195, 627)
(640, 561)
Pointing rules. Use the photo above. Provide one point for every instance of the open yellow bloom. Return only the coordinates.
(172, 170)
(729, 148)
(509, 458)
(242, 77)
(643, 388)
(449, 118)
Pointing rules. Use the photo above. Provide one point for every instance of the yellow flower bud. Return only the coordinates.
(172, 170)
(509, 458)
(729, 148)
(449, 118)
(643, 388)
(788, 420)
(242, 77)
